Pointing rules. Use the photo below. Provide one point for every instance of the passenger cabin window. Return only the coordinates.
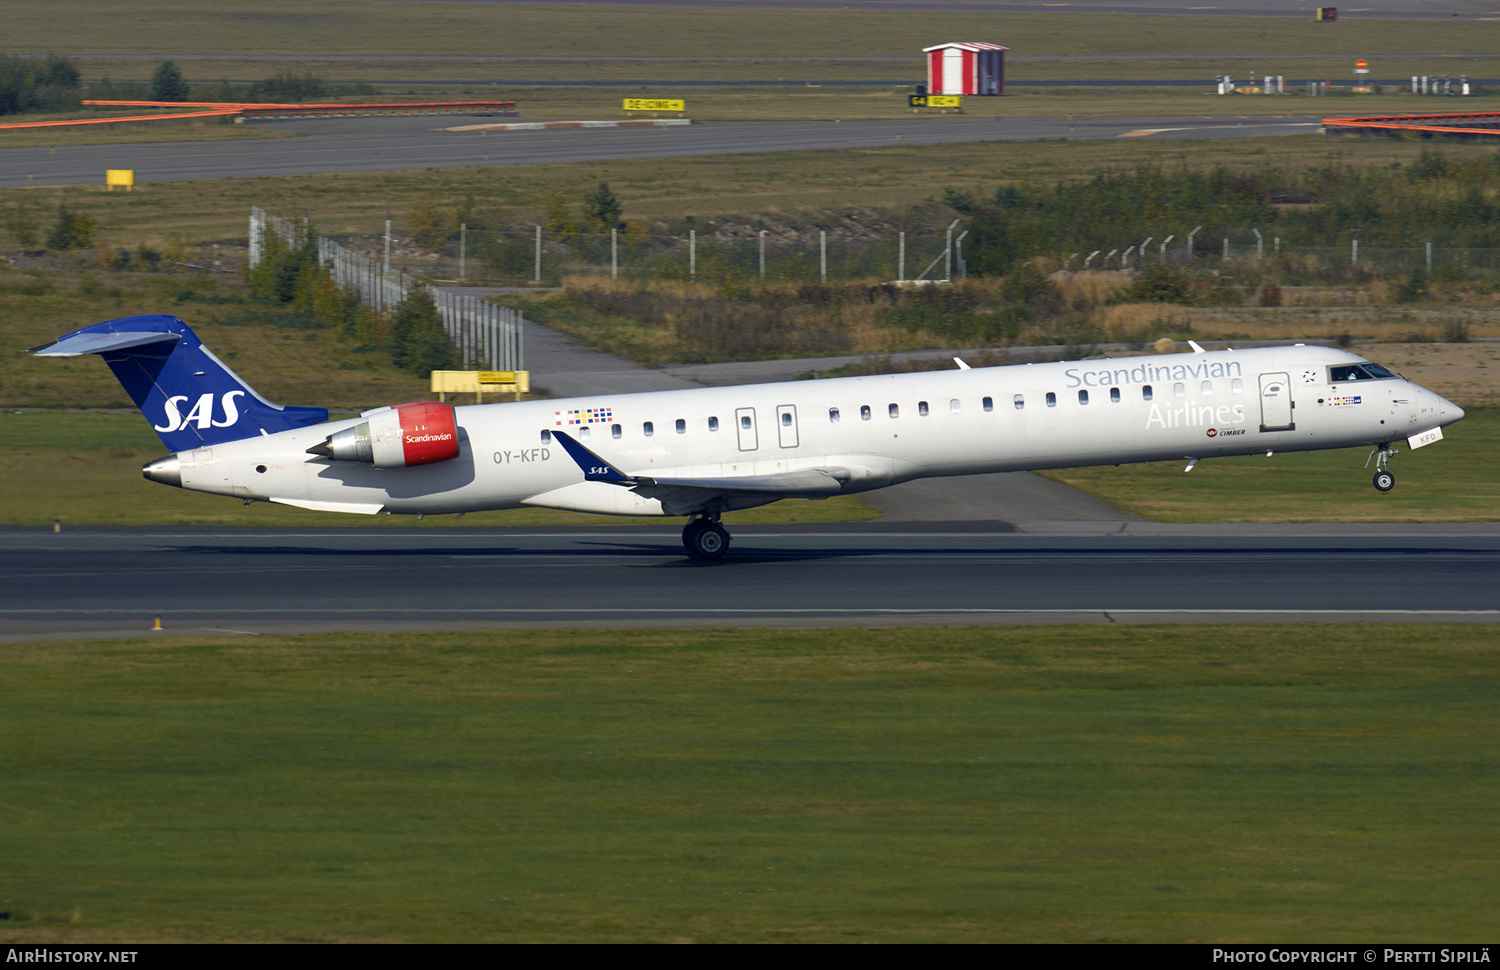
(1051, 400)
(1020, 402)
(953, 405)
(922, 408)
(864, 412)
(648, 429)
(1179, 390)
(894, 410)
(1083, 397)
(583, 433)
(1237, 386)
(1114, 395)
(989, 403)
(546, 437)
(682, 426)
(713, 424)
(1145, 392)
(615, 431)
(1208, 388)
(833, 415)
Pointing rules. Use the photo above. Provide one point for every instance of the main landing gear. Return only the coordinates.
(1384, 480)
(704, 538)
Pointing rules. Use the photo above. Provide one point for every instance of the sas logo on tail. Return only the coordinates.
(202, 413)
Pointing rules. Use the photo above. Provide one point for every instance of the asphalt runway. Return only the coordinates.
(114, 582)
(383, 144)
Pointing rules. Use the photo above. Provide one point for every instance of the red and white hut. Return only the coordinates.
(966, 68)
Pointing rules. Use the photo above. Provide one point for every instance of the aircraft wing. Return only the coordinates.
(807, 482)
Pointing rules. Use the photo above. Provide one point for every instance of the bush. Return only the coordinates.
(72, 231)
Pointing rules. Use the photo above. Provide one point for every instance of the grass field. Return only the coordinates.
(714, 187)
(1104, 783)
(295, 28)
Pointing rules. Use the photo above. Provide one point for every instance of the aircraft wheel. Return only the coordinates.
(1385, 481)
(705, 540)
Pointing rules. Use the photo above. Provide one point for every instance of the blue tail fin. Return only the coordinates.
(191, 397)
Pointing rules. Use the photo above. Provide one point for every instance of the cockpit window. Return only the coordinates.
(1356, 372)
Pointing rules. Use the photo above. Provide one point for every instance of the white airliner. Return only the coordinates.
(703, 452)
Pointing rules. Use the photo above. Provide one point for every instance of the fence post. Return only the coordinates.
(614, 252)
(901, 263)
(762, 255)
(463, 250)
(693, 255)
(387, 270)
(1429, 257)
(537, 277)
(822, 256)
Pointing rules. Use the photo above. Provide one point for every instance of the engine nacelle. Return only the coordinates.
(401, 436)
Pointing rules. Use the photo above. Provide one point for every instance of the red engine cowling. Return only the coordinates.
(427, 433)
(402, 436)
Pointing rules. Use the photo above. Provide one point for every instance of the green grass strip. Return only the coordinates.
(1239, 783)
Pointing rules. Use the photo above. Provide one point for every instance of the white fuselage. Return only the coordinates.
(881, 430)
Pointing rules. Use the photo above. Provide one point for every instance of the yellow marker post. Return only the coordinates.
(119, 176)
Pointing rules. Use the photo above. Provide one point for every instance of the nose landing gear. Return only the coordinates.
(1382, 453)
(704, 538)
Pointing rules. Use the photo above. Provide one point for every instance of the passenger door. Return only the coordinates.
(1276, 403)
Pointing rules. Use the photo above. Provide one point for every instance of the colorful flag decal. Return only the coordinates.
(584, 416)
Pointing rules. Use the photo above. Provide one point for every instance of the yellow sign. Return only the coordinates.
(480, 382)
(119, 176)
(654, 104)
(935, 101)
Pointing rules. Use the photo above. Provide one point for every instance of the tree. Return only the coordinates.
(418, 341)
(168, 84)
(601, 209)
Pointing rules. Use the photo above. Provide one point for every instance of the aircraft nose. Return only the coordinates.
(1448, 412)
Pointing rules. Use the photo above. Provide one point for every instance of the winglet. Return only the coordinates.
(595, 469)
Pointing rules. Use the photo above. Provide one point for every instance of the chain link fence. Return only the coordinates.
(487, 337)
(529, 255)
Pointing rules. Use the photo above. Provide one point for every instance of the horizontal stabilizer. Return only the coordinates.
(83, 342)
